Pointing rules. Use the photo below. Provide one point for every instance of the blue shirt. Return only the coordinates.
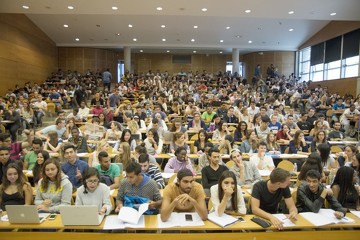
(276, 126)
(70, 171)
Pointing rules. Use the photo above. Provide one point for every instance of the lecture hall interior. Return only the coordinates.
(38, 37)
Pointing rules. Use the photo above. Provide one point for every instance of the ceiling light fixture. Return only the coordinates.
(141, 51)
(194, 51)
(25, 7)
(77, 39)
(70, 7)
(221, 41)
(114, 8)
(130, 25)
(249, 41)
(159, 8)
(164, 40)
(291, 29)
(195, 26)
(220, 52)
(193, 40)
(227, 28)
(204, 9)
(333, 14)
(291, 12)
(168, 51)
(248, 11)
(134, 39)
(117, 34)
(66, 26)
(163, 26)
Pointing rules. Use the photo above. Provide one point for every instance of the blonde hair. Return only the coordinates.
(133, 126)
(125, 157)
(101, 144)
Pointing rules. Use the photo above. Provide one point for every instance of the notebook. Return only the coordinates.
(80, 215)
(25, 214)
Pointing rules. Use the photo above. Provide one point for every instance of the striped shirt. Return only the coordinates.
(154, 173)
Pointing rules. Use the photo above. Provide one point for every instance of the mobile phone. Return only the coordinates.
(188, 217)
(52, 216)
(241, 219)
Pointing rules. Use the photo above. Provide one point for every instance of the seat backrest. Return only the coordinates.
(287, 150)
(230, 164)
(286, 165)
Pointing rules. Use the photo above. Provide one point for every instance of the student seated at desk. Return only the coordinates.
(31, 157)
(138, 187)
(298, 144)
(200, 143)
(348, 157)
(211, 174)
(226, 196)
(140, 149)
(220, 133)
(262, 161)
(179, 161)
(327, 161)
(41, 158)
(109, 172)
(54, 189)
(320, 138)
(246, 172)
(103, 145)
(271, 144)
(126, 137)
(14, 189)
(79, 141)
(311, 196)
(53, 142)
(336, 134)
(5, 161)
(93, 192)
(185, 195)
(240, 132)
(151, 170)
(344, 188)
(153, 143)
(196, 124)
(178, 141)
(250, 144)
(313, 162)
(266, 196)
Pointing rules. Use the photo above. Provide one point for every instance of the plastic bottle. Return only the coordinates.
(295, 167)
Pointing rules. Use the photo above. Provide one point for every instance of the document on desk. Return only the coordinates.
(286, 222)
(180, 220)
(113, 222)
(131, 215)
(325, 217)
(223, 221)
(264, 173)
(167, 175)
(356, 213)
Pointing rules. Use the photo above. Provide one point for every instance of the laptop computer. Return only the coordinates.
(80, 215)
(25, 214)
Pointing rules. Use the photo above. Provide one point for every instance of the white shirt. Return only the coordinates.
(267, 163)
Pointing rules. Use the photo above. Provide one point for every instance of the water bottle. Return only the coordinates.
(295, 167)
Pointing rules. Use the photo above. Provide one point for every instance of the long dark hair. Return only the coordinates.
(88, 173)
(19, 182)
(324, 150)
(312, 163)
(45, 180)
(37, 167)
(239, 126)
(122, 138)
(344, 179)
(156, 135)
(234, 200)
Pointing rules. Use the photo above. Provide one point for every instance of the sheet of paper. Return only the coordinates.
(316, 219)
(166, 175)
(131, 215)
(286, 222)
(223, 221)
(264, 173)
(356, 213)
(81, 154)
(140, 224)
(178, 220)
(113, 222)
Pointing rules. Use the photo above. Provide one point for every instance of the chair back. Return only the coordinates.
(286, 165)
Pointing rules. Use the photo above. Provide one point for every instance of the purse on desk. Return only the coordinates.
(261, 222)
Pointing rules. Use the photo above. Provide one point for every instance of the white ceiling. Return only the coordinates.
(267, 26)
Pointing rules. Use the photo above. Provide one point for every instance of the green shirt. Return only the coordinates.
(207, 117)
(113, 171)
(31, 158)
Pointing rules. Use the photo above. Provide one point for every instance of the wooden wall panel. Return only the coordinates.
(333, 85)
(26, 53)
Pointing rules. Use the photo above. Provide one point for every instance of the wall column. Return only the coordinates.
(127, 59)
(235, 60)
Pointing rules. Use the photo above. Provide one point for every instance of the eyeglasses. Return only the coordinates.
(92, 181)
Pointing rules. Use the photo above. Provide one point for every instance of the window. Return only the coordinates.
(304, 67)
(350, 67)
(317, 72)
(332, 70)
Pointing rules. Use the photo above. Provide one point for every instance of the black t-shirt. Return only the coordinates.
(269, 202)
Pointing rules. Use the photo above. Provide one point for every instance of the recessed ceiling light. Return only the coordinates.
(25, 7)
(168, 51)
(204, 9)
(134, 39)
(193, 40)
(77, 39)
(159, 8)
(195, 26)
(194, 51)
(248, 11)
(130, 26)
(291, 12)
(163, 26)
(237, 36)
(114, 8)
(66, 26)
(141, 51)
(249, 41)
(227, 27)
(164, 39)
(70, 7)
(220, 52)
(117, 34)
(333, 14)
(291, 29)
(221, 41)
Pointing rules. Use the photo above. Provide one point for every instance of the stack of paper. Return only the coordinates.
(113, 222)
(179, 220)
(356, 213)
(131, 215)
(324, 217)
(223, 221)
(286, 222)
